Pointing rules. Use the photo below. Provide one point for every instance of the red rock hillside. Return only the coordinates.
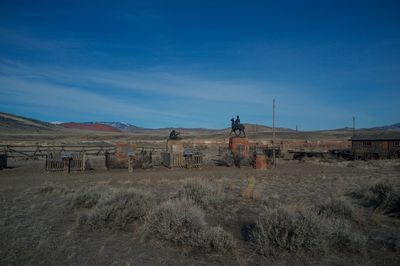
(93, 127)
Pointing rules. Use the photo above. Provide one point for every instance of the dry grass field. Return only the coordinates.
(314, 212)
(176, 133)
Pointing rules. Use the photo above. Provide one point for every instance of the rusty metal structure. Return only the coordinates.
(130, 156)
(376, 146)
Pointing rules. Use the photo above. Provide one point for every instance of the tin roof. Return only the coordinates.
(377, 136)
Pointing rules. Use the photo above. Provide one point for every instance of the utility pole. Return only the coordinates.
(354, 125)
(297, 130)
(273, 132)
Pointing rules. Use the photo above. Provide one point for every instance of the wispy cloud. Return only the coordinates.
(156, 98)
(62, 100)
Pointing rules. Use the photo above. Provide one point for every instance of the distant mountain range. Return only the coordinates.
(14, 122)
(91, 126)
(387, 128)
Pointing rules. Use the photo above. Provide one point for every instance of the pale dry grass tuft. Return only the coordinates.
(252, 190)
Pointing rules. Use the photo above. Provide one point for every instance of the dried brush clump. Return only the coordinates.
(50, 188)
(117, 209)
(342, 237)
(282, 230)
(335, 208)
(382, 197)
(86, 197)
(312, 231)
(182, 222)
(217, 239)
(337, 216)
(202, 193)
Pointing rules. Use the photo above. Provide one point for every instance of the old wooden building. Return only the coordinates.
(376, 146)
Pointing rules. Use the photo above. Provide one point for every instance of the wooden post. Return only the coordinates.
(273, 132)
(67, 167)
(107, 160)
(130, 164)
(83, 161)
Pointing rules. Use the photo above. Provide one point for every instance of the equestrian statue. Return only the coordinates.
(174, 135)
(237, 126)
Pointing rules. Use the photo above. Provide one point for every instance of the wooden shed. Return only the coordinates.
(376, 146)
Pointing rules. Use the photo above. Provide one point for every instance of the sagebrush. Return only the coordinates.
(182, 222)
(118, 209)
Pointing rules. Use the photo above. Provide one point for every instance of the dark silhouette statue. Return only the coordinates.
(237, 121)
(174, 134)
(237, 126)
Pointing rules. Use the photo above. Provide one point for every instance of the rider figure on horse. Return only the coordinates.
(237, 121)
(237, 126)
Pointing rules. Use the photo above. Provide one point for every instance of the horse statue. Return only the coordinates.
(174, 135)
(237, 126)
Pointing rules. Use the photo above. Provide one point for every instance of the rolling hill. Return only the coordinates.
(9, 122)
(91, 126)
(15, 122)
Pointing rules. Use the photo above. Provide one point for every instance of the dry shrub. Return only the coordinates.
(118, 209)
(217, 239)
(86, 197)
(182, 222)
(343, 237)
(378, 194)
(281, 230)
(337, 215)
(335, 208)
(382, 197)
(202, 193)
(178, 221)
(50, 188)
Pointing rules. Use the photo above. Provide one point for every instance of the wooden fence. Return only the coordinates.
(178, 160)
(40, 151)
(65, 162)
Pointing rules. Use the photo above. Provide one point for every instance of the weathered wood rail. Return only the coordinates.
(38, 151)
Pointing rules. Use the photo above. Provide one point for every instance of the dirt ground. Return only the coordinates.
(39, 228)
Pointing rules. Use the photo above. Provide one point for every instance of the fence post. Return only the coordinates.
(67, 168)
(107, 160)
(130, 164)
(83, 161)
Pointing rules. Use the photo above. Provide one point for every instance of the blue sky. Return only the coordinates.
(199, 63)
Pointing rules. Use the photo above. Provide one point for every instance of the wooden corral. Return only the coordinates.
(377, 146)
(65, 162)
(179, 160)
